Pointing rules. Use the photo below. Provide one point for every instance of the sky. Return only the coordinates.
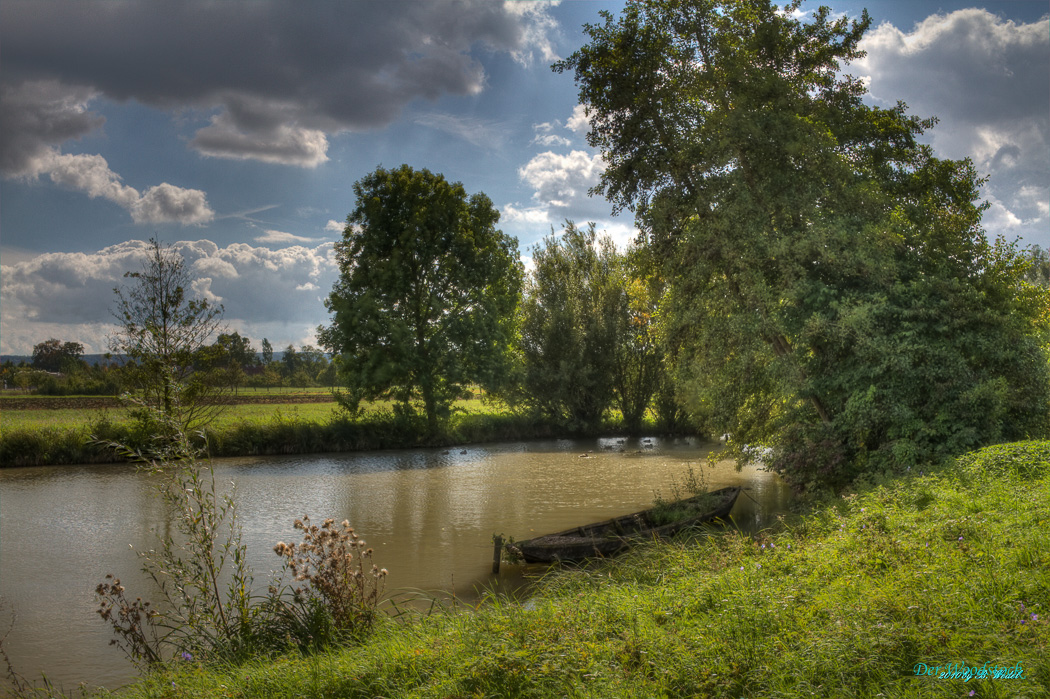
(235, 131)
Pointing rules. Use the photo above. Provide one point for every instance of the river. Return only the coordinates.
(429, 514)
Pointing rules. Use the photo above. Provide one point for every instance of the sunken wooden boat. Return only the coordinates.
(614, 535)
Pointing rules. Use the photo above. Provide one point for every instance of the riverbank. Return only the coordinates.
(932, 585)
(267, 426)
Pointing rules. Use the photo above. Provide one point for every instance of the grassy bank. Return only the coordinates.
(58, 437)
(943, 572)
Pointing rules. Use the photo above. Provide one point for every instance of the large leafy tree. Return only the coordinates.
(573, 317)
(833, 294)
(427, 293)
(55, 355)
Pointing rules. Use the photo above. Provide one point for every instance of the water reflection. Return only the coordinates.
(429, 514)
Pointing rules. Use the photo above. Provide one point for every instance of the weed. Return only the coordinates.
(332, 560)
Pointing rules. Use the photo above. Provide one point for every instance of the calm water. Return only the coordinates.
(429, 514)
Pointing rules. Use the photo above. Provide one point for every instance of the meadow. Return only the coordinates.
(936, 584)
(267, 422)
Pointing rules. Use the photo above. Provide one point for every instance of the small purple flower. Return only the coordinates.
(960, 538)
(972, 692)
(1035, 617)
(186, 656)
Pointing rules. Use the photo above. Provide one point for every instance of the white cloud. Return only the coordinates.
(90, 174)
(545, 136)
(168, 203)
(37, 117)
(561, 183)
(985, 78)
(537, 26)
(274, 293)
(533, 214)
(282, 238)
(578, 122)
(334, 226)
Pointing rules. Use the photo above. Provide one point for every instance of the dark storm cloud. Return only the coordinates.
(281, 74)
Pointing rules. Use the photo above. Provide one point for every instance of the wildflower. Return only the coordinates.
(186, 656)
(960, 538)
(1035, 617)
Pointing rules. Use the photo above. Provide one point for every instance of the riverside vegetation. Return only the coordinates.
(942, 566)
(58, 437)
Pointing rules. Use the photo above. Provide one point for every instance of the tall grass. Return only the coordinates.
(891, 591)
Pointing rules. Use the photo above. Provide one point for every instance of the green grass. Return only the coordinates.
(845, 601)
(55, 437)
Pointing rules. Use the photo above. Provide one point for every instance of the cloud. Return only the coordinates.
(281, 237)
(334, 226)
(273, 293)
(545, 135)
(578, 123)
(277, 78)
(166, 202)
(986, 79)
(561, 183)
(284, 144)
(37, 117)
(478, 132)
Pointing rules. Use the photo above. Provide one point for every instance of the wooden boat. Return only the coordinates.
(613, 535)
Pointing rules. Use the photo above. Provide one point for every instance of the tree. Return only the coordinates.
(267, 352)
(162, 333)
(1039, 266)
(54, 355)
(427, 292)
(573, 315)
(825, 268)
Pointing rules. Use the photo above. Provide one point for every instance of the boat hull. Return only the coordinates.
(607, 538)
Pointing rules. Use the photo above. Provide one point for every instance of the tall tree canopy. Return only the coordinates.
(55, 355)
(427, 292)
(833, 294)
(574, 313)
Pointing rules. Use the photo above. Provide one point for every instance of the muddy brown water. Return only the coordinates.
(429, 513)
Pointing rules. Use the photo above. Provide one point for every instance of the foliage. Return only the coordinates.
(208, 609)
(164, 334)
(54, 355)
(427, 293)
(189, 569)
(1038, 272)
(832, 292)
(573, 314)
